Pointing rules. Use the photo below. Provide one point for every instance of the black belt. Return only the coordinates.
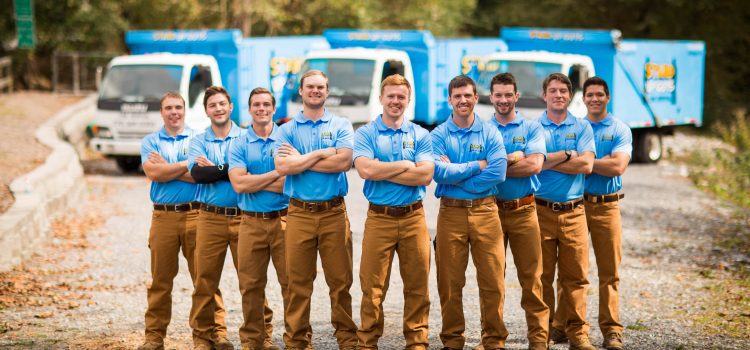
(316, 206)
(515, 203)
(603, 198)
(226, 211)
(265, 214)
(177, 207)
(466, 203)
(560, 206)
(396, 211)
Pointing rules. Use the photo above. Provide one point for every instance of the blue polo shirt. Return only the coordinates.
(378, 141)
(173, 149)
(307, 136)
(611, 136)
(255, 155)
(572, 134)
(520, 135)
(219, 193)
(462, 178)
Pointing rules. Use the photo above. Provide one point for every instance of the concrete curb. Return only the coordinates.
(41, 195)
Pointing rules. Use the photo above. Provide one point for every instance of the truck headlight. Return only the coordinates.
(101, 132)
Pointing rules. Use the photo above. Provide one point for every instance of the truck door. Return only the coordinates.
(200, 80)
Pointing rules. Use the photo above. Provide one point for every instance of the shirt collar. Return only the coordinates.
(233, 132)
(164, 135)
(475, 127)
(518, 120)
(569, 119)
(252, 136)
(607, 121)
(299, 118)
(405, 127)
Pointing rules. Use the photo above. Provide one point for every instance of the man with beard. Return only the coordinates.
(394, 156)
(570, 156)
(164, 155)
(470, 161)
(524, 143)
(314, 151)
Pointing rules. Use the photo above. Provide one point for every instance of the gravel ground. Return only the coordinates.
(87, 288)
(21, 113)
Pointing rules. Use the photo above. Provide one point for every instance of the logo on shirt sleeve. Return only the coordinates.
(608, 137)
(475, 148)
(519, 139)
(326, 136)
(408, 145)
(570, 136)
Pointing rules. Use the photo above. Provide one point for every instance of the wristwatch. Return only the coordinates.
(568, 153)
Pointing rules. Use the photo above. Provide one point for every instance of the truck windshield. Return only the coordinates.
(529, 77)
(349, 80)
(138, 83)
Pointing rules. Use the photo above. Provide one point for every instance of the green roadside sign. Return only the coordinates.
(25, 23)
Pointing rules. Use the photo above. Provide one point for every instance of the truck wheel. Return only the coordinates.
(128, 164)
(648, 147)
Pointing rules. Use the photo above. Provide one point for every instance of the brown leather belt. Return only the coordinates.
(396, 211)
(559, 206)
(265, 215)
(466, 203)
(515, 203)
(226, 211)
(603, 198)
(177, 207)
(316, 206)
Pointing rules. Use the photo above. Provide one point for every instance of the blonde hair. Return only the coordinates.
(311, 73)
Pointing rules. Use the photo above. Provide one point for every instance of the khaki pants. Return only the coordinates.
(521, 229)
(385, 235)
(605, 225)
(565, 245)
(170, 232)
(307, 234)
(214, 233)
(458, 231)
(260, 240)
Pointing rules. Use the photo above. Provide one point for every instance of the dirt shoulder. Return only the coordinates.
(21, 113)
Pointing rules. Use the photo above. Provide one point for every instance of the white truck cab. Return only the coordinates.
(128, 104)
(530, 68)
(354, 77)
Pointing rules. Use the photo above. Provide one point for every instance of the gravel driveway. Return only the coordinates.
(87, 287)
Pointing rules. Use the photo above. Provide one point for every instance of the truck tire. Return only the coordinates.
(647, 147)
(128, 164)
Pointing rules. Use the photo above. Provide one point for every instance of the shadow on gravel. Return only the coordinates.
(105, 167)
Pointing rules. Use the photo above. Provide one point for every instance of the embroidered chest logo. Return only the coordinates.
(570, 136)
(519, 139)
(475, 148)
(407, 145)
(326, 136)
(608, 137)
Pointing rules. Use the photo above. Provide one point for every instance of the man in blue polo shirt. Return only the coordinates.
(524, 143)
(218, 220)
(614, 145)
(264, 207)
(470, 161)
(314, 152)
(570, 155)
(164, 156)
(394, 156)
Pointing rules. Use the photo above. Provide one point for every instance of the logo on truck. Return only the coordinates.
(660, 78)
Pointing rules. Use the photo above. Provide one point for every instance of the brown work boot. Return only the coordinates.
(222, 343)
(583, 344)
(538, 346)
(348, 347)
(269, 345)
(478, 347)
(202, 346)
(151, 345)
(246, 346)
(613, 341)
(557, 336)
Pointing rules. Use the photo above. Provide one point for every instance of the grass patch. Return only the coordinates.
(637, 326)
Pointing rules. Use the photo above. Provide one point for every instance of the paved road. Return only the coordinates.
(664, 218)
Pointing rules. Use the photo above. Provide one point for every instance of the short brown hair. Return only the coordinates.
(559, 77)
(461, 81)
(395, 80)
(311, 73)
(215, 90)
(504, 79)
(258, 91)
(171, 94)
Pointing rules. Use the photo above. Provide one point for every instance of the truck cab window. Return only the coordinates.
(200, 79)
(392, 67)
(578, 74)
